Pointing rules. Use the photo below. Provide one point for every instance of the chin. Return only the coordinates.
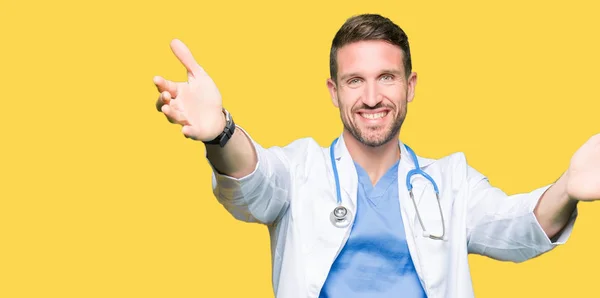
(375, 142)
(373, 136)
(375, 139)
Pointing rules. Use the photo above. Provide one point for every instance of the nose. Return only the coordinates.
(372, 96)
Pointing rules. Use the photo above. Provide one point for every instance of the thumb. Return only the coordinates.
(186, 58)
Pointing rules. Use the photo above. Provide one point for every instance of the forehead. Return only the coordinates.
(369, 56)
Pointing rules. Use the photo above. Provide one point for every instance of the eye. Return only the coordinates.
(354, 81)
(387, 77)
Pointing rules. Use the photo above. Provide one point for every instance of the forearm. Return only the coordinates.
(236, 159)
(263, 194)
(555, 207)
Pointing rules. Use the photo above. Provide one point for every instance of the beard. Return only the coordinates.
(374, 136)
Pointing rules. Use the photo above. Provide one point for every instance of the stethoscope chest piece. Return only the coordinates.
(341, 217)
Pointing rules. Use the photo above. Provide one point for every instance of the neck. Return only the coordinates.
(374, 160)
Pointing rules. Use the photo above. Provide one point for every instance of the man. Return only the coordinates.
(393, 237)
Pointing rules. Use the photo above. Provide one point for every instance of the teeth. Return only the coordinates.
(374, 116)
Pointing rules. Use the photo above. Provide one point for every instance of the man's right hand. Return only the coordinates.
(195, 104)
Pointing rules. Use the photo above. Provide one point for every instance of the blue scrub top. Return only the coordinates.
(375, 262)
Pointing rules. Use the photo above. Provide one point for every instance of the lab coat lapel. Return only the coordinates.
(407, 208)
(332, 239)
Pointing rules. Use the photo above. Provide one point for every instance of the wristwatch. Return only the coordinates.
(224, 137)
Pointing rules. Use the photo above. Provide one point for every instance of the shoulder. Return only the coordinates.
(452, 161)
(299, 150)
(298, 145)
(303, 156)
(454, 167)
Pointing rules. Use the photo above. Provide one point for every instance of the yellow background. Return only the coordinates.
(102, 197)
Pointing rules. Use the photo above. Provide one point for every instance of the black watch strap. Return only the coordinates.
(224, 137)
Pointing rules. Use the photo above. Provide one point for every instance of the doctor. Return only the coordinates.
(367, 217)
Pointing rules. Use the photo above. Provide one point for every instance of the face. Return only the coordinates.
(372, 90)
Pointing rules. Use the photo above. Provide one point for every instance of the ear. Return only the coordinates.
(332, 92)
(412, 84)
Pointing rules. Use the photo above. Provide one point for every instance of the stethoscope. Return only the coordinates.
(341, 217)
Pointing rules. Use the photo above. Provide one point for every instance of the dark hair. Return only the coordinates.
(369, 27)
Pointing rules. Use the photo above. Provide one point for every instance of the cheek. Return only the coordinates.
(348, 98)
(395, 94)
(345, 109)
(395, 91)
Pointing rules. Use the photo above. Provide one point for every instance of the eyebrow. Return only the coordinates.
(355, 74)
(393, 71)
(349, 75)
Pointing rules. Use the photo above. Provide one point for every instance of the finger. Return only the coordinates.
(170, 113)
(173, 115)
(187, 131)
(187, 59)
(163, 99)
(165, 85)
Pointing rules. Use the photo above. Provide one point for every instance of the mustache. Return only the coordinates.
(377, 106)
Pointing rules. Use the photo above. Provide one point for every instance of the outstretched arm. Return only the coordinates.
(197, 106)
(522, 226)
(251, 182)
(555, 207)
(581, 182)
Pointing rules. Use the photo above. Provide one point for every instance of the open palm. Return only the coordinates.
(195, 104)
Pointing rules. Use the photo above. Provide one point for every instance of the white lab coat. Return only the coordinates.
(292, 191)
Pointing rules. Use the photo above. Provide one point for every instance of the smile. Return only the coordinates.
(373, 116)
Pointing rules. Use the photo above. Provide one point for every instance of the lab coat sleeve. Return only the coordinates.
(504, 227)
(261, 196)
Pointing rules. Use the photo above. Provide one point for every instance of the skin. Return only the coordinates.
(371, 79)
